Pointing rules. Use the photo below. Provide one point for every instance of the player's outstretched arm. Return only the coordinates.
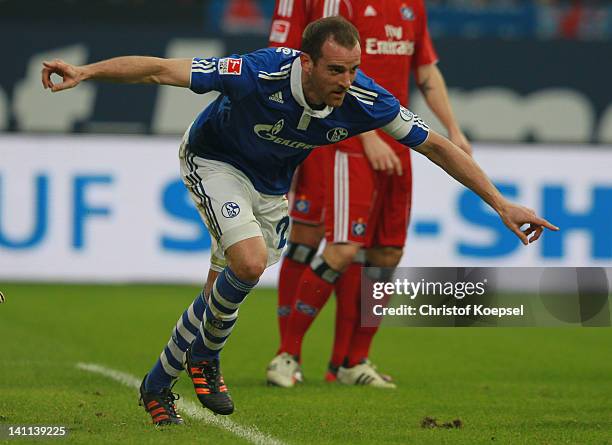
(128, 69)
(464, 169)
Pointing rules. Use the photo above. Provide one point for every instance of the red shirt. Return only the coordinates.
(394, 36)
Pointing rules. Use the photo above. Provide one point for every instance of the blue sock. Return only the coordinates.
(220, 315)
(170, 362)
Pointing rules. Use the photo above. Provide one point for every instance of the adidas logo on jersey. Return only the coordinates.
(370, 11)
(277, 97)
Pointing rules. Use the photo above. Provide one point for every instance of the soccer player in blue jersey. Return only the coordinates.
(237, 159)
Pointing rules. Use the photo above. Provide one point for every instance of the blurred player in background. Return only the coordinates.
(359, 194)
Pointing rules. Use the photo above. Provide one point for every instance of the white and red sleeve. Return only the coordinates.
(425, 53)
(289, 20)
(291, 17)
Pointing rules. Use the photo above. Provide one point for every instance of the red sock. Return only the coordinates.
(362, 338)
(360, 344)
(312, 294)
(348, 290)
(288, 280)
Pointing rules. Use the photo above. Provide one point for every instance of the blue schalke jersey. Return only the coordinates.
(262, 124)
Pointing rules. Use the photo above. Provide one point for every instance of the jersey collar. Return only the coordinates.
(297, 92)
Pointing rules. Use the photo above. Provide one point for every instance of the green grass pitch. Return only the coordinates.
(522, 385)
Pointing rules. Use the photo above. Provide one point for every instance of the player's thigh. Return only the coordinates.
(248, 258)
(307, 234)
(384, 256)
(391, 212)
(340, 255)
(223, 201)
(272, 215)
(307, 197)
(350, 194)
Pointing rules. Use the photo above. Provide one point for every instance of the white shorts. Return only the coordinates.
(231, 208)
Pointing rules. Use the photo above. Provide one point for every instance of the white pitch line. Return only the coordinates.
(249, 433)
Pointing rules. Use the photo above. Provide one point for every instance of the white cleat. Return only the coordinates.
(385, 377)
(299, 375)
(284, 371)
(363, 374)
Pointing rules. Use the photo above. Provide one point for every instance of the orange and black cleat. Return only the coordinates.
(209, 385)
(160, 405)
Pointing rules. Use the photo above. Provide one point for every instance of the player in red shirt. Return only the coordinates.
(371, 209)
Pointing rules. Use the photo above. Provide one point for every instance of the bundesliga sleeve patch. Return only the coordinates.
(280, 31)
(230, 66)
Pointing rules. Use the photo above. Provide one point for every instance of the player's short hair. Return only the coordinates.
(338, 28)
